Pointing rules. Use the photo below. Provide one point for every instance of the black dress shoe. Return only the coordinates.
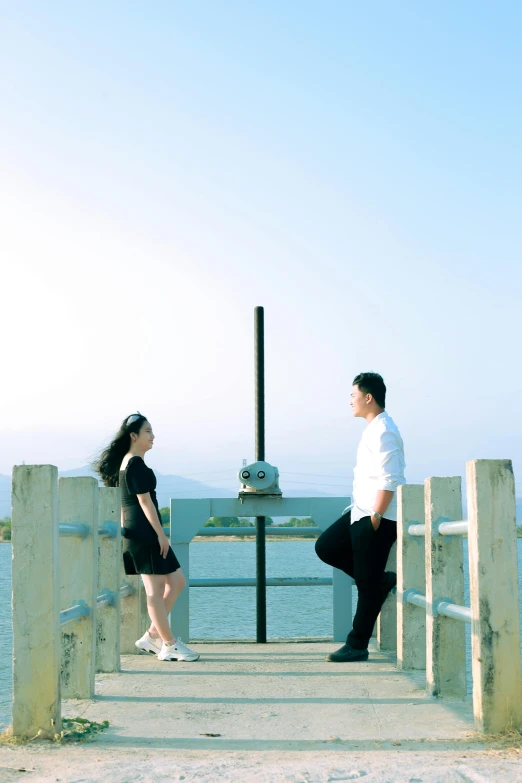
(347, 654)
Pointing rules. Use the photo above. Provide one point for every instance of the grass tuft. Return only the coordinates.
(73, 730)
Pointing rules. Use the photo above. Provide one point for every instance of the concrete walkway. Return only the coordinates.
(277, 712)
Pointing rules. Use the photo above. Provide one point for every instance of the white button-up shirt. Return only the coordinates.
(380, 465)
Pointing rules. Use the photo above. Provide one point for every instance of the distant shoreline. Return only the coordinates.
(252, 537)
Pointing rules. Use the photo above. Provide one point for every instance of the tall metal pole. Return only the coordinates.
(259, 336)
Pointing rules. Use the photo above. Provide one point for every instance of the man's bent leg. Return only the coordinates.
(334, 545)
(370, 551)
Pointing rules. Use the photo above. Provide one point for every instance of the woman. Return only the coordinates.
(146, 549)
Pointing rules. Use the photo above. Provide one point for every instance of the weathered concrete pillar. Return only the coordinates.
(387, 620)
(495, 640)
(36, 603)
(109, 569)
(445, 637)
(186, 518)
(78, 503)
(133, 614)
(411, 575)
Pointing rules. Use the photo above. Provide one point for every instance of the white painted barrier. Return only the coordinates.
(66, 592)
(36, 601)
(493, 569)
(109, 559)
(188, 516)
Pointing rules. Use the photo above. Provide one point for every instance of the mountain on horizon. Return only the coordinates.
(173, 486)
(169, 486)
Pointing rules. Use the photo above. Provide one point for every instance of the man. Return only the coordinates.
(360, 541)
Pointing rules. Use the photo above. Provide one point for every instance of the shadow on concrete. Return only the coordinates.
(339, 672)
(222, 743)
(269, 701)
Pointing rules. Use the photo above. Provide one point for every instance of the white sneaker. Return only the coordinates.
(149, 644)
(177, 652)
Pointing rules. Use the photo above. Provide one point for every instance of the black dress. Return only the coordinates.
(141, 549)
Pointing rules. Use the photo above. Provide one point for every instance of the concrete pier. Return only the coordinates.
(109, 567)
(78, 504)
(36, 601)
(411, 575)
(254, 714)
(495, 640)
(445, 639)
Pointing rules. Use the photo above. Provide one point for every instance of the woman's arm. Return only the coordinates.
(149, 509)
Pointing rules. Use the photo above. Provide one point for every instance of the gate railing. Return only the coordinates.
(188, 518)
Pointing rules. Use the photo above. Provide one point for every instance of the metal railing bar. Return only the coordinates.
(415, 597)
(307, 581)
(75, 612)
(456, 612)
(105, 598)
(459, 528)
(109, 529)
(417, 530)
(126, 590)
(77, 529)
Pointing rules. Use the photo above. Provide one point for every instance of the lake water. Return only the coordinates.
(229, 612)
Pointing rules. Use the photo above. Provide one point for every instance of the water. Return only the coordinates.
(229, 612)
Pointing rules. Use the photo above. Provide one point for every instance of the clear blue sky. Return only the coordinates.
(353, 167)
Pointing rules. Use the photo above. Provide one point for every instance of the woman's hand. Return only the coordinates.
(164, 544)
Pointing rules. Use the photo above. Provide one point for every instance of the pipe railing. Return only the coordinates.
(285, 581)
(441, 606)
(430, 576)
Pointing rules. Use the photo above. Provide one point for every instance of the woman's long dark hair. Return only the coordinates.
(109, 461)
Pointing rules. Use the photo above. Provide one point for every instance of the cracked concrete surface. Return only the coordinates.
(277, 712)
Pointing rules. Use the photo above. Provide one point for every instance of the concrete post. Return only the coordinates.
(78, 503)
(183, 528)
(109, 565)
(132, 619)
(36, 603)
(387, 620)
(445, 637)
(495, 640)
(411, 574)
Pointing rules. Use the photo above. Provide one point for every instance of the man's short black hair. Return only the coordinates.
(372, 383)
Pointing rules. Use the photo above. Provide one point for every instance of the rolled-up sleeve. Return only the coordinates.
(389, 462)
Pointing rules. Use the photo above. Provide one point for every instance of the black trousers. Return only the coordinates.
(361, 552)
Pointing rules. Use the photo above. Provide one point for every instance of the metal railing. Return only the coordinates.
(440, 606)
(80, 609)
(188, 520)
(303, 581)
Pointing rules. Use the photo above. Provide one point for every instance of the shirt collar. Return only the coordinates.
(380, 416)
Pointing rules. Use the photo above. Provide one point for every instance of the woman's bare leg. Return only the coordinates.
(155, 588)
(174, 584)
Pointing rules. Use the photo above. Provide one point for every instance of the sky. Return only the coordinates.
(354, 168)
